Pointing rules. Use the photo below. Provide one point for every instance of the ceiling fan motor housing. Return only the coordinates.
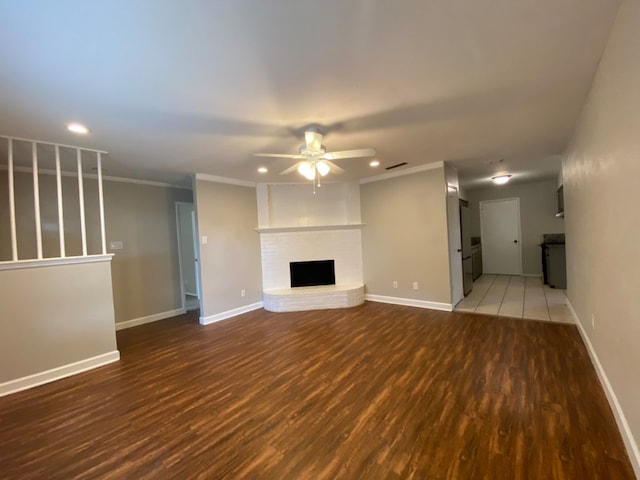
(306, 152)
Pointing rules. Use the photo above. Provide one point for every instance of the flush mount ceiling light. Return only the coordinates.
(501, 179)
(263, 169)
(77, 128)
(374, 163)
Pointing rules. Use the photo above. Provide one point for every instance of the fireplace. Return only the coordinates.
(313, 273)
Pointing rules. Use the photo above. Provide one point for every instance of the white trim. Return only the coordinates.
(150, 318)
(93, 176)
(36, 199)
(231, 181)
(12, 203)
(627, 436)
(63, 252)
(83, 226)
(309, 228)
(230, 313)
(401, 173)
(103, 235)
(19, 384)
(52, 143)
(539, 275)
(409, 302)
(150, 183)
(51, 262)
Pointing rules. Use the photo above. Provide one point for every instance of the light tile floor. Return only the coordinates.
(516, 296)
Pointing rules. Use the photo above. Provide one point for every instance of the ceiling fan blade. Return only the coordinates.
(291, 169)
(334, 168)
(363, 152)
(313, 140)
(277, 155)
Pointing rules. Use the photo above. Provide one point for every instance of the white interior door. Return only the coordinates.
(455, 247)
(500, 230)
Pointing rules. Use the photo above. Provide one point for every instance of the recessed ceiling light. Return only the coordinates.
(263, 169)
(501, 179)
(374, 163)
(77, 128)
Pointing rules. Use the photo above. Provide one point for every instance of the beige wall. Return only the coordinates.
(601, 186)
(146, 278)
(538, 206)
(54, 316)
(230, 261)
(146, 272)
(405, 237)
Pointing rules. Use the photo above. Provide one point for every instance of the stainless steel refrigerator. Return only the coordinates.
(467, 264)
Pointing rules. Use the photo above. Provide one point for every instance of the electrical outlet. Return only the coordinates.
(243, 292)
(415, 285)
(593, 322)
(116, 245)
(395, 284)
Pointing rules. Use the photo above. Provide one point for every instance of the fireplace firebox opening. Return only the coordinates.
(313, 273)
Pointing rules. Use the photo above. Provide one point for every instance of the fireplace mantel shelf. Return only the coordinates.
(309, 228)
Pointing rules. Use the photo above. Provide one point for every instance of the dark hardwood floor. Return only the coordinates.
(375, 392)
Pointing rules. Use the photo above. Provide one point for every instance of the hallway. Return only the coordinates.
(516, 296)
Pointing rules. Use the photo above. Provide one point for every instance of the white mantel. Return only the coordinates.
(297, 225)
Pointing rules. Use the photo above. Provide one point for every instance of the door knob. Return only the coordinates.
(515, 241)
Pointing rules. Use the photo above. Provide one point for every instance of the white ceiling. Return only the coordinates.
(174, 87)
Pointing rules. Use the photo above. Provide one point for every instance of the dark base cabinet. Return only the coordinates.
(554, 265)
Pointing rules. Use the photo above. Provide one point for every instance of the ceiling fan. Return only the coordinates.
(315, 162)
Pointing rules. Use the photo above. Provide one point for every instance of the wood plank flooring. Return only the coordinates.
(376, 392)
(516, 296)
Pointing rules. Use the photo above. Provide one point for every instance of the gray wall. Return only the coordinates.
(538, 206)
(405, 237)
(601, 185)
(230, 261)
(146, 277)
(146, 272)
(54, 316)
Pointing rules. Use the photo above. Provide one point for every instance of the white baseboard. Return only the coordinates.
(149, 318)
(19, 384)
(409, 302)
(230, 313)
(539, 275)
(621, 420)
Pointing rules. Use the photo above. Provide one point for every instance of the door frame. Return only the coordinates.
(454, 245)
(180, 267)
(482, 228)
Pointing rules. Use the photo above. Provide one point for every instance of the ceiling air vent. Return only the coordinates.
(396, 166)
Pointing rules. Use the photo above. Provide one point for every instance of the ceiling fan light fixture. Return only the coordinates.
(307, 171)
(501, 179)
(322, 168)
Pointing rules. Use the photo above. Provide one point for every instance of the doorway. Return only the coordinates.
(188, 255)
(455, 249)
(500, 231)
